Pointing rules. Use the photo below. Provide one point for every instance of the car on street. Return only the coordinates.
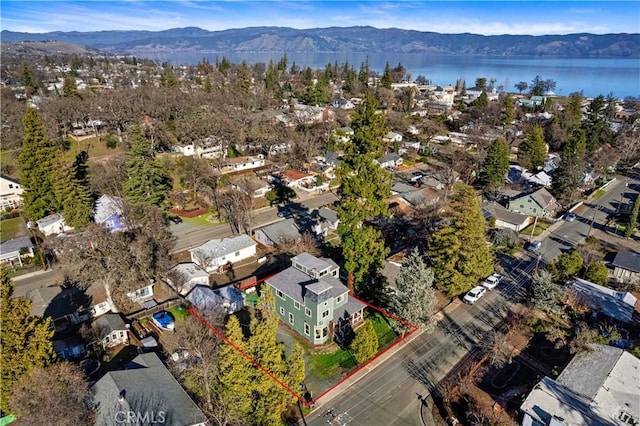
(534, 246)
(570, 217)
(474, 294)
(491, 281)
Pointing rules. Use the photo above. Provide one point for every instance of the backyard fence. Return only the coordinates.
(161, 307)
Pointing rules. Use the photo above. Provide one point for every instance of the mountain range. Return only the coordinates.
(342, 39)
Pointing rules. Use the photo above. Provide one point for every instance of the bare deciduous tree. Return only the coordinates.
(57, 395)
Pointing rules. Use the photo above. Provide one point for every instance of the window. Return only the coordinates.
(281, 295)
(10, 186)
(237, 253)
(325, 313)
(339, 299)
(307, 329)
(114, 336)
(281, 311)
(122, 334)
(106, 339)
(535, 210)
(290, 318)
(522, 206)
(296, 304)
(307, 311)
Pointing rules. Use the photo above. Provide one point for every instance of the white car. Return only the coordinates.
(491, 281)
(474, 294)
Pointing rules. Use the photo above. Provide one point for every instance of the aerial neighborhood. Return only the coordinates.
(232, 244)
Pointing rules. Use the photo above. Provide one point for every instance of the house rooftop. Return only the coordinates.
(49, 220)
(614, 304)
(225, 246)
(9, 248)
(56, 302)
(282, 231)
(145, 387)
(328, 214)
(108, 323)
(627, 259)
(106, 206)
(189, 270)
(493, 209)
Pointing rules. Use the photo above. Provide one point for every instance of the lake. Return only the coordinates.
(591, 76)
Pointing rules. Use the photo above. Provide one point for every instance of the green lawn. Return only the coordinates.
(541, 226)
(178, 312)
(381, 325)
(13, 228)
(202, 220)
(330, 364)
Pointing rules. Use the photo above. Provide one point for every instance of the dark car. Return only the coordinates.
(175, 219)
(534, 246)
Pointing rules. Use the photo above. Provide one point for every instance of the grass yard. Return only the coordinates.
(540, 227)
(179, 312)
(330, 364)
(382, 327)
(599, 193)
(95, 148)
(13, 228)
(202, 220)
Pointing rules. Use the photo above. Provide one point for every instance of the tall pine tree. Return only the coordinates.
(25, 342)
(532, 152)
(496, 166)
(147, 181)
(416, 298)
(364, 186)
(37, 164)
(458, 249)
(568, 175)
(72, 196)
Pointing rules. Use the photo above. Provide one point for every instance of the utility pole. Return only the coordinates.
(535, 222)
(32, 227)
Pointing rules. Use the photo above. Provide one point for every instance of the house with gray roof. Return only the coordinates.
(598, 387)
(626, 266)
(147, 391)
(539, 203)
(278, 233)
(185, 276)
(505, 218)
(228, 298)
(10, 251)
(53, 224)
(312, 301)
(108, 212)
(112, 331)
(215, 254)
(390, 161)
(619, 305)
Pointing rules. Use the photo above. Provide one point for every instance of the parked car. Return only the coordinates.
(570, 217)
(491, 281)
(474, 294)
(175, 219)
(534, 246)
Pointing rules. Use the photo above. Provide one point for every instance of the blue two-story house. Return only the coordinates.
(311, 300)
(108, 213)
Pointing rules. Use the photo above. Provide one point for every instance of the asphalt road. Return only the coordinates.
(388, 394)
(591, 218)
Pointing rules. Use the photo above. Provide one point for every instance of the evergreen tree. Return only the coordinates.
(571, 116)
(147, 180)
(597, 273)
(365, 345)
(72, 196)
(235, 374)
(481, 83)
(568, 175)
(532, 152)
(37, 162)
(545, 294)
(496, 165)
(208, 85)
(566, 266)
(508, 111)
(69, 88)
(25, 342)
(458, 249)
(537, 86)
(364, 186)
(482, 101)
(596, 125)
(632, 224)
(386, 79)
(416, 298)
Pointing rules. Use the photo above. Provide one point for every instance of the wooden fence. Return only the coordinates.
(161, 307)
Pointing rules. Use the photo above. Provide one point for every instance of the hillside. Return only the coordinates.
(350, 39)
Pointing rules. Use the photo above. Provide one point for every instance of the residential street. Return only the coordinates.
(388, 393)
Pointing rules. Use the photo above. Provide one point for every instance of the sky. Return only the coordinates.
(451, 17)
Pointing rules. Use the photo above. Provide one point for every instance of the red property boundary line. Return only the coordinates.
(414, 328)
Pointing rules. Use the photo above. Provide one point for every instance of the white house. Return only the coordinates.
(10, 193)
(390, 161)
(142, 294)
(392, 137)
(185, 276)
(108, 212)
(112, 330)
(10, 251)
(53, 224)
(242, 163)
(214, 254)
